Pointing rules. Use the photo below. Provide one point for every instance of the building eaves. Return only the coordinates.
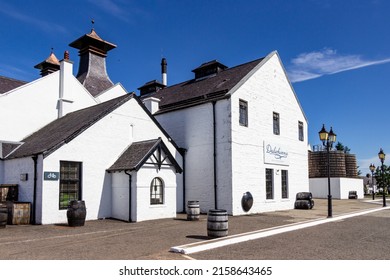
(136, 155)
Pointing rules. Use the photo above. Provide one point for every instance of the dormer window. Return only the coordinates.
(151, 87)
(208, 69)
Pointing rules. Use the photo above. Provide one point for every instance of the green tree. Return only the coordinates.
(383, 177)
(340, 147)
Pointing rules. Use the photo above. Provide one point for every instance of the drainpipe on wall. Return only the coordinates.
(183, 151)
(34, 208)
(215, 156)
(129, 174)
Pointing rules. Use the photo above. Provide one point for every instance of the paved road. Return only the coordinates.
(364, 237)
(116, 240)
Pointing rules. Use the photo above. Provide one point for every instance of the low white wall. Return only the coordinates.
(340, 187)
(120, 196)
(144, 210)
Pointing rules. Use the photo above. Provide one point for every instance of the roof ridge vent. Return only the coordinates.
(49, 65)
(151, 87)
(208, 69)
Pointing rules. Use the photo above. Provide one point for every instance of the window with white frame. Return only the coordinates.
(269, 183)
(156, 191)
(276, 123)
(300, 131)
(284, 184)
(243, 113)
(70, 183)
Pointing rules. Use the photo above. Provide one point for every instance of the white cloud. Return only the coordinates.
(307, 66)
(41, 24)
(121, 9)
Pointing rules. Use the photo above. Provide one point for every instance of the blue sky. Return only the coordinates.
(337, 53)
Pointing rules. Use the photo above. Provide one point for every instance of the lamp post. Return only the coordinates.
(372, 168)
(328, 138)
(382, 157)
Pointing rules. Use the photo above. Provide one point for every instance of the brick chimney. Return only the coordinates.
(92, 72)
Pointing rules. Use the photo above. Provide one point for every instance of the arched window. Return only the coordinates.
(157, 191)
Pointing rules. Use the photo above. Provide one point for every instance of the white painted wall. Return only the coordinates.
(267, 91)
(141, 209)
(1, 172)
(120, 195)
(146, 211)
(98, 148)
(192, 129)
(111, 93)
(33, 105)
(339, 187)
(240, 151)
(14, 168)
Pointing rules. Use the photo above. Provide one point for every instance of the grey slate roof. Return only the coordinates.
(137, 154)
(195, 92)
(7, 84)
(7, 148)
(63, 130)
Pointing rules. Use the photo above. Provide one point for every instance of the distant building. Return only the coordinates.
(343, 173)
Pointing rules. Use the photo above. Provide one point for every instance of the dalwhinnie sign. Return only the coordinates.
(275, 153)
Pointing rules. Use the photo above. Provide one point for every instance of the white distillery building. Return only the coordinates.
(243, 130)
(28, 106)
(114, 156)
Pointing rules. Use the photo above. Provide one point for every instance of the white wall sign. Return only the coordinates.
(275, 153)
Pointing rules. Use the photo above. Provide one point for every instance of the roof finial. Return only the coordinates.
(66, 55)
(52, 50)
(93, 22)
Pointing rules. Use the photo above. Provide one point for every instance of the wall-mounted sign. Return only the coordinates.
(51, 176)
(275, 153)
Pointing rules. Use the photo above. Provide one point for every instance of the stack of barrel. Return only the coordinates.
(304, 200)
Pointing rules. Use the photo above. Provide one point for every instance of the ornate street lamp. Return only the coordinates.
(328, 138)
(382, 157)
(372, 168)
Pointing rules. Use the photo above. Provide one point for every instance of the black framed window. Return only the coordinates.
(284, 183)
(70, 182)
(276, 123)
(243, 113)
(269, 183)
(156, 191)
(300, 131)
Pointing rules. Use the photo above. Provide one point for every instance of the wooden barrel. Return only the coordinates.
(351, 166)
(304, 196)
(3, 216)
(303, 204)
(76, 213)
(318, 164)
(193, 210)
(217, 223)
(247, 201)
(20, 213)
